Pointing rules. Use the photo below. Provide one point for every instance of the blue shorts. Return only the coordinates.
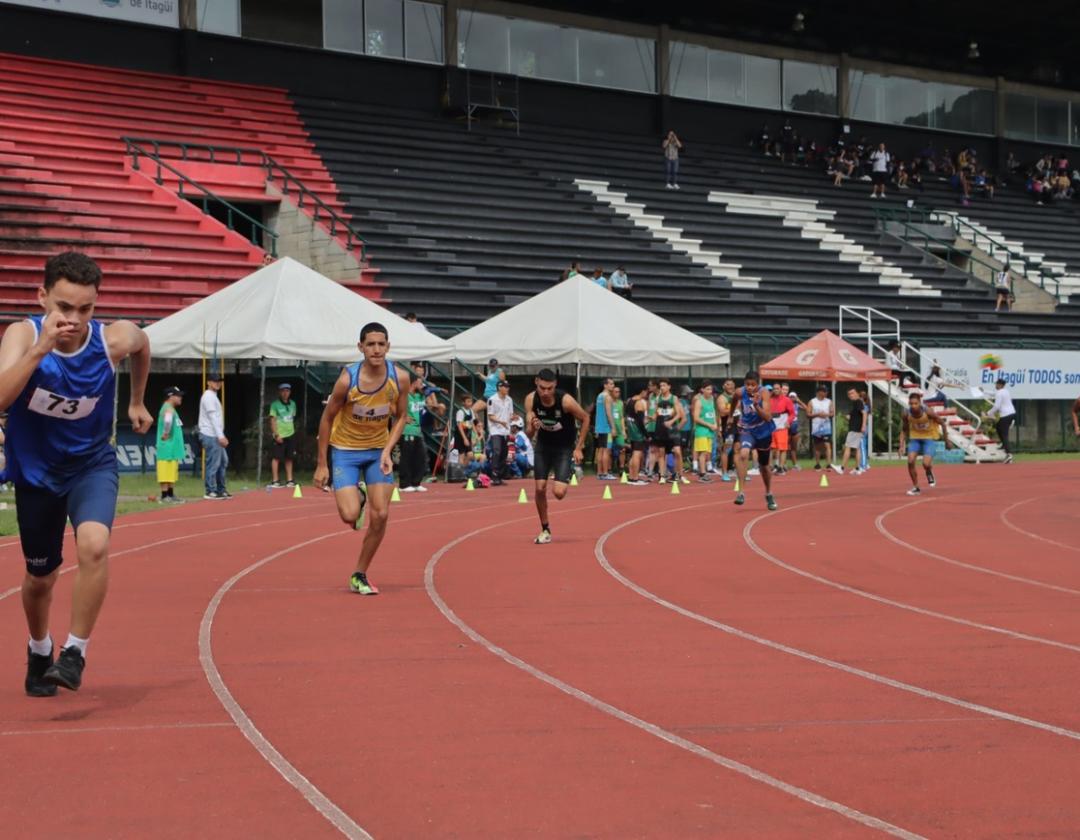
(43, 515)
(749, 441)
(922, 447)
(352, 464)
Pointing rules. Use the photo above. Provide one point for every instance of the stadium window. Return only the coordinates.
(762, 81)
(688, 70)
(1019, 116)
(1052, 121)
(284, 21)
(543, 51)
(343, 25)
(616, 61)
(810, 88)
(221, 17)
(483, 42)
(899, 100)
(384, 28)
(423, 32)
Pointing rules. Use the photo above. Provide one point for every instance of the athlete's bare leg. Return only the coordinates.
(558, 490)
(36, 599)
(378, 513)
(635, 465)
(912, 469)
(91, 577)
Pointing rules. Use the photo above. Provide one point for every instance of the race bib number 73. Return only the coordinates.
(61, 407)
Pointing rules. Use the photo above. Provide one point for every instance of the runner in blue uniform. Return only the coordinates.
(58, 380)
(755, 432)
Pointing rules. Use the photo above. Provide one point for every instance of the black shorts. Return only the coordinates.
(637, 446)
(43, 515)
(286, 450)
(549, 459)
(879, 178)
(601, 440)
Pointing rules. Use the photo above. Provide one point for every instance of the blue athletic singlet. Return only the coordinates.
(60, 426)
(750, 422)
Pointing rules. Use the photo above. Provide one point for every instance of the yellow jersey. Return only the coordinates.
(922, 427)
(364, 420)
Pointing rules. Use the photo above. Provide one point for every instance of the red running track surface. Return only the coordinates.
(856, 663)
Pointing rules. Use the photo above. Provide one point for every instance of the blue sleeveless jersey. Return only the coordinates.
(60, 426)
(750, 421)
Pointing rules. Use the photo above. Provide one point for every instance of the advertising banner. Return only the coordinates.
(1030, 374)
(136, 453)
(155, 12)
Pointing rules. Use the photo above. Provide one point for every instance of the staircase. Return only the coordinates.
(66, 182)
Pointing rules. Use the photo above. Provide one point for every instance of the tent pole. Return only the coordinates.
(262, 396)
(303, 372)
(577, 395)
(890, 406)
(836, 419)
(451, 424)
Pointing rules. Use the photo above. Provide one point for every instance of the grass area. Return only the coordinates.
(134, 490)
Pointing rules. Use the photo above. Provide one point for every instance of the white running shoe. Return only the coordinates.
(420, 489)
(914, 491)
(836, 468)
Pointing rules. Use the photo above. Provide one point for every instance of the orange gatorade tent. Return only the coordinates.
(825, 356)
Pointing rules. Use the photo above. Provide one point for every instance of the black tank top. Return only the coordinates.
(557, 428)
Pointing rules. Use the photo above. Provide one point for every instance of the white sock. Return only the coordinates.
(75, 641)
(42, 648)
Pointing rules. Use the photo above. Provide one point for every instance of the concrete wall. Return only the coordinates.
(301, 238)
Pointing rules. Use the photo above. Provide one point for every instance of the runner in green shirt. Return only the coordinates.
(169, 451)
(283, 430)
(618, 430)
(651, 460)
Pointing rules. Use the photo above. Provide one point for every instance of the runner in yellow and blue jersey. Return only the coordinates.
(356, 423)
(58, 381)
(920, 432)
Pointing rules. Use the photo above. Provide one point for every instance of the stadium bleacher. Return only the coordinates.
(66, 182)
(464, 223)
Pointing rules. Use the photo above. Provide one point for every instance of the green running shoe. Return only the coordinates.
(770, 502)
(359, 584)
(740, 498)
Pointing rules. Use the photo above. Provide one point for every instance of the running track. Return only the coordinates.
(859, 663)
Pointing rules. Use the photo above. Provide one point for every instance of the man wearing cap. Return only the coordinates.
(170, 444)
(283, 430)
(213, 440)
(500, 410)
(494, 376)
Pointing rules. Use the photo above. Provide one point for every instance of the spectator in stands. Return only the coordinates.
(879, 164)
(1002, 286)
(984, 183)
(1012, 165)
(853, 441)
(269, 259)
(789, 141)
(412, 319)
(599, 279)
(500, 410)
(934, 393)
(671, 147)
(494, 376)
(573, 271)
(915, 173)
(213, 440)
(620, 283)
(896, 365)
(763, 141)
(945, 166)
(842, 167)
(900, 177)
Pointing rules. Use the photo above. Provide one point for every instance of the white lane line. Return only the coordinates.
(802, 654)
(879, 523)
(150, 727)
(881, 599)
(651, 728)
(7, 593)
(1004, 517)
(315, 797)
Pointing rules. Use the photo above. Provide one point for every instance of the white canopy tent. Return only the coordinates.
(286, 312)
(578, 322)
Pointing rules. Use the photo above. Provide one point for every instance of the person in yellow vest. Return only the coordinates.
(356, 423)
(920, 431)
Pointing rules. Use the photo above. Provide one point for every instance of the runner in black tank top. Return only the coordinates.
(551, 418)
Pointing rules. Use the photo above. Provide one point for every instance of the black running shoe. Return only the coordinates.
(67, 670)
(36, 666)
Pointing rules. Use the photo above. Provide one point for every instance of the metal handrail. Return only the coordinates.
(247, 156)
(965, 230)
(133, 148)
(912, 232)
